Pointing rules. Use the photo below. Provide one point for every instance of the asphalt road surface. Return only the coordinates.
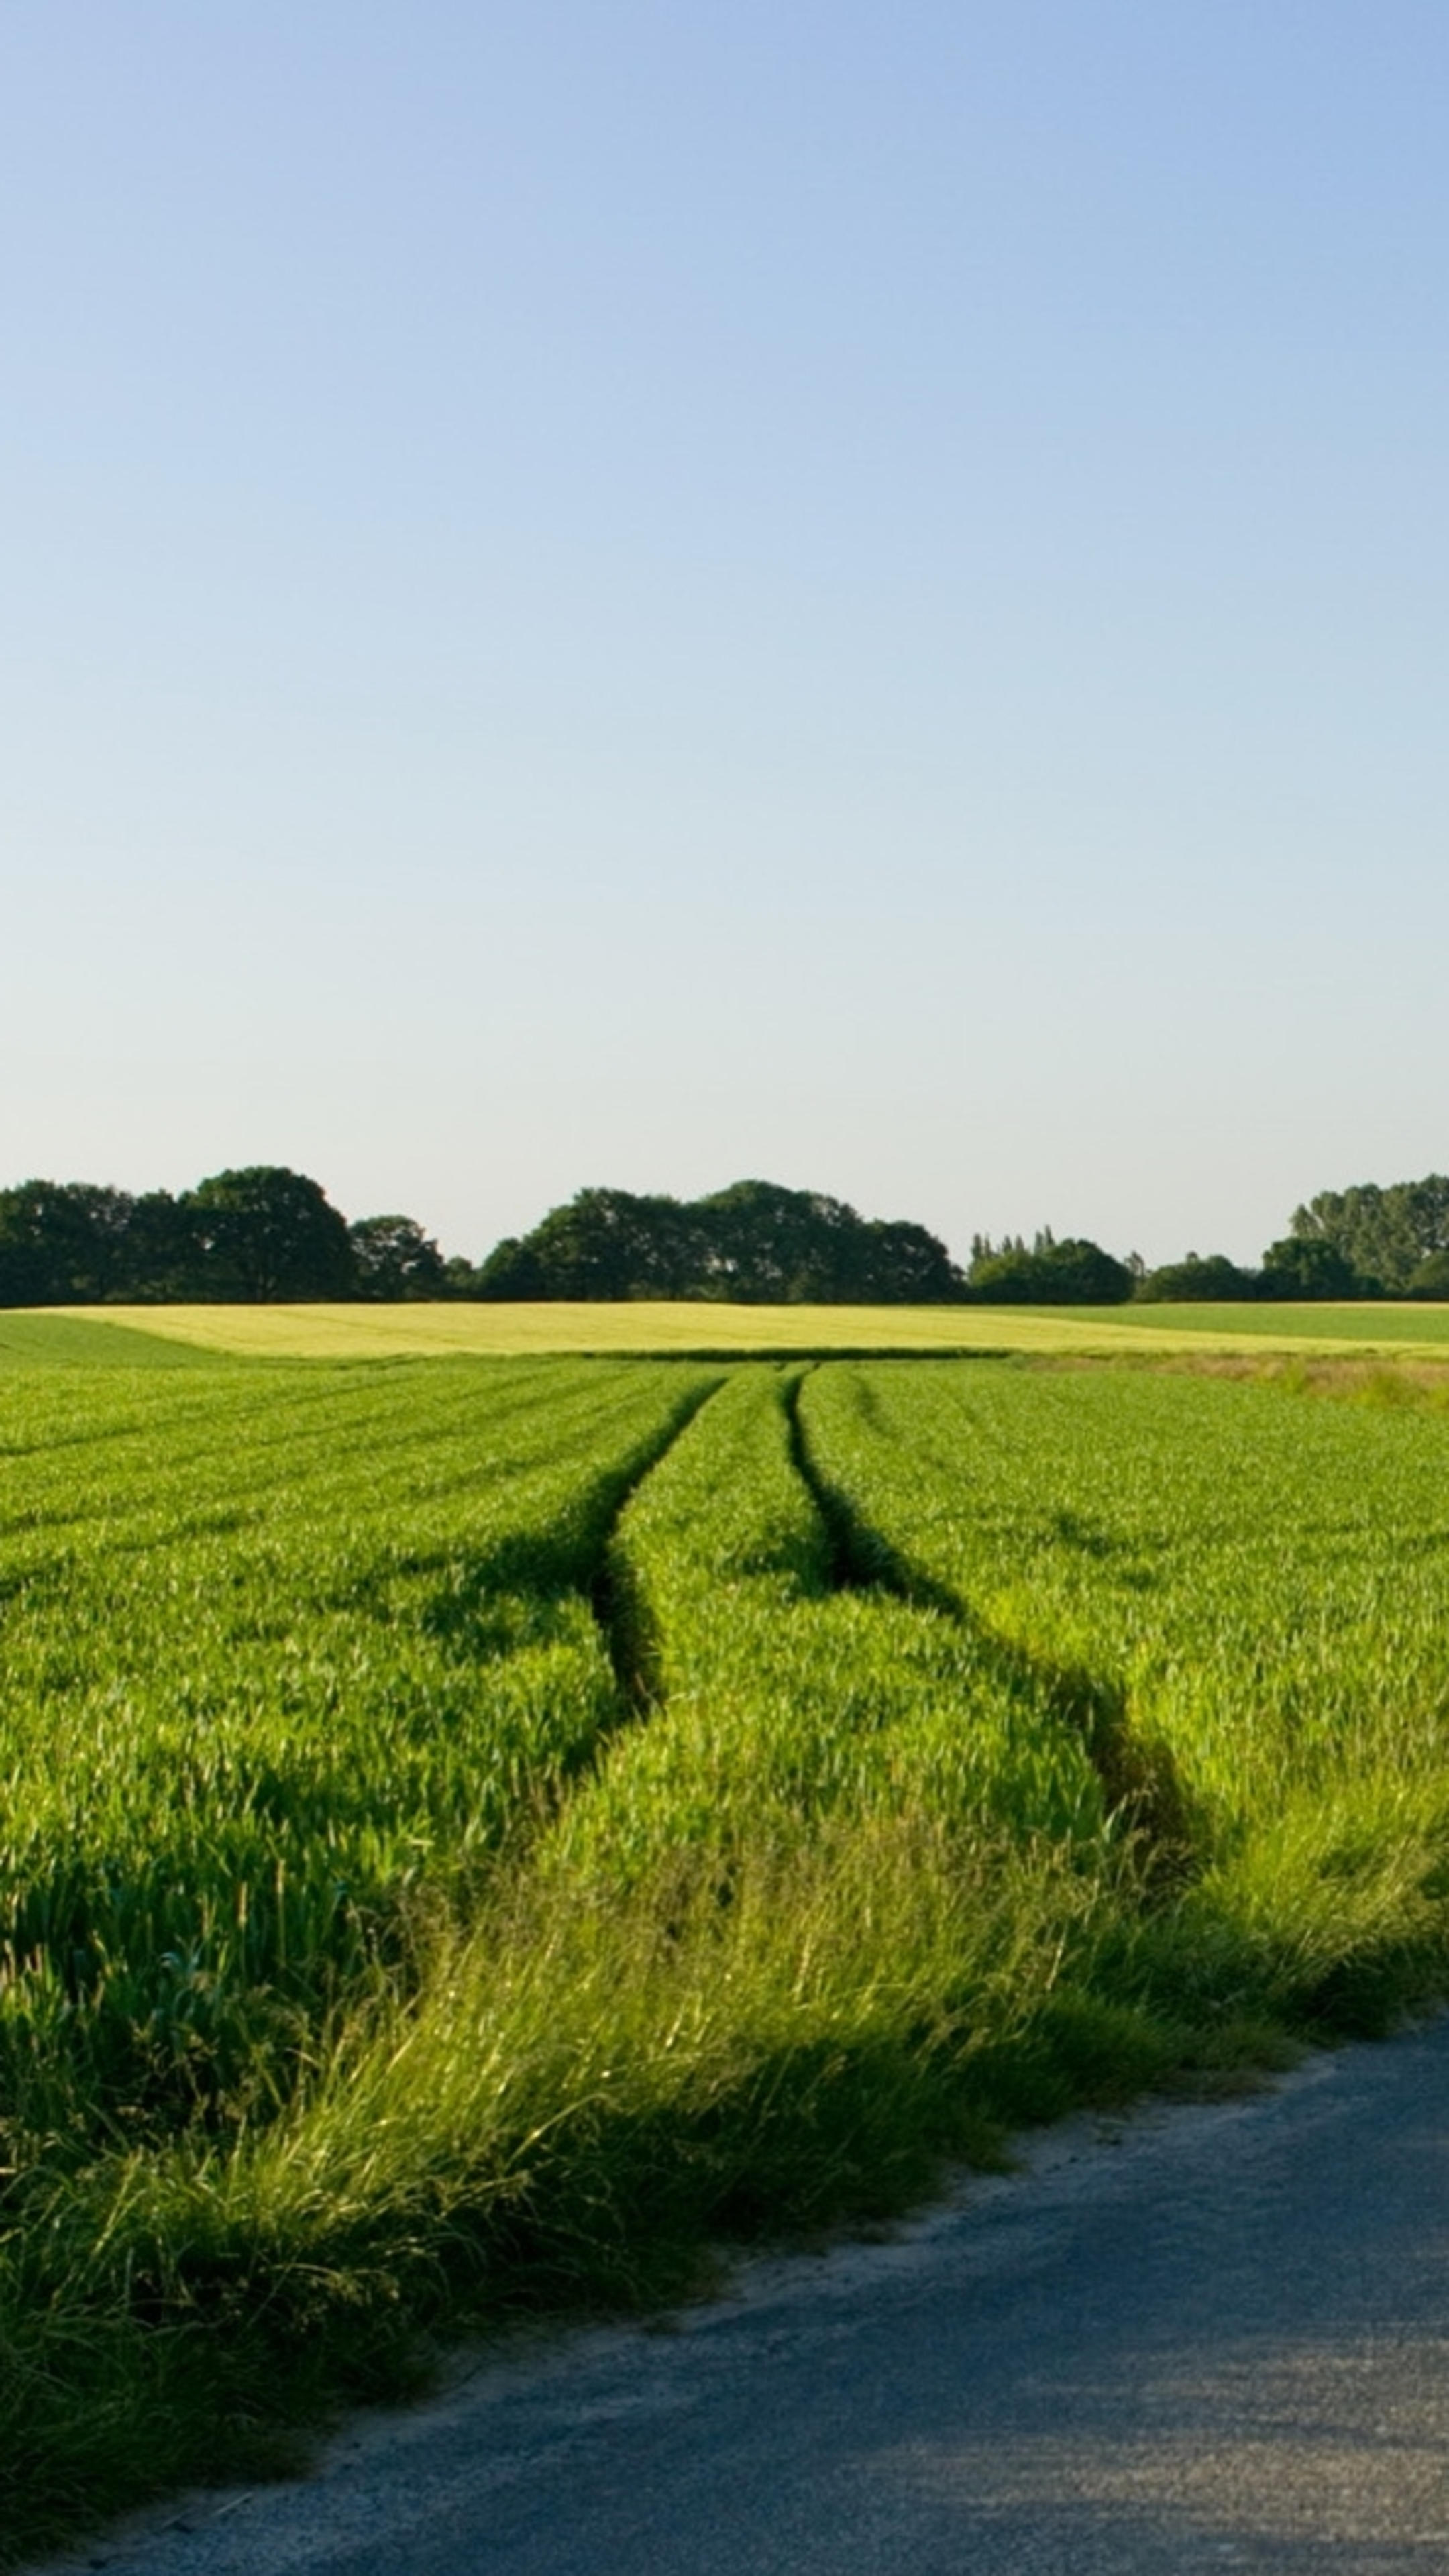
(1215, 2338)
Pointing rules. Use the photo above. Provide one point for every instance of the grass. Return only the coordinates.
(389, 1332)
(482, 1838)
(1242, 1596)
(1381, 1324)
(83, 1340)
(287, 1658)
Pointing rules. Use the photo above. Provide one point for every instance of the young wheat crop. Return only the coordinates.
(485, 1831)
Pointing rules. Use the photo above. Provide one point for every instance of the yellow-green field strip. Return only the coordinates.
(657, 1330)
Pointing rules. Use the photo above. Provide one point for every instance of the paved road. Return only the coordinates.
(1221, 2341)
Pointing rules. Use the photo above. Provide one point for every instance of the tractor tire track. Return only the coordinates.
(1139, 1780)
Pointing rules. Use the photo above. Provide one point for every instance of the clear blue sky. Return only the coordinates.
(646, 594)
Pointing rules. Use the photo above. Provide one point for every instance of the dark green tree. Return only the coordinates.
(1076, 1272)
(1208, 1280)
(510, 1275)
(64, 1243)
(1382, 1233)
(765, 1245)
(265, 1235)
(897, 1263)
(1431, 1279)
(755, 1243)
(393, 1258)
(603, 1244)
(1308, 1266)
(163, 1257)
(461, 1278)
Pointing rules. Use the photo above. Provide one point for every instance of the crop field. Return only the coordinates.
(480, 1835)
(362, 1331)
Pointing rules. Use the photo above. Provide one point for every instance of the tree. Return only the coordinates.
(393, 1258)
(900, 1264)
(262, 1233)
(64, 1243)
(1074, 1273)
(163, 1257)
(765, 1245)
(1381, 1233)
(511, 1274)
(603, 1244)
(755, 1243)
(266, 1234)
(770, 1246)
(1431, 1279)
(1308, 1266)
(1214, 1280)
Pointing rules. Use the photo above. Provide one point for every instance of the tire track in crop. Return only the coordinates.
(862, 1559)
(1140, 1784)
(616, 1597)
(595, 1572)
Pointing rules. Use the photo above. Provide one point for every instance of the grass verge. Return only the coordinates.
(581, 2107)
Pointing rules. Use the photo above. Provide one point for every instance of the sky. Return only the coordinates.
(600, 593)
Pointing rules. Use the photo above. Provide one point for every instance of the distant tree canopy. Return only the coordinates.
(1072, 1273)
(1304, 1266)
(1382, 1235)
(393, 1258)
(1362, 1242)
(266, 1234)
(754, 1243)
(1431, 1278)
(256, 1236)
(65, 1241)
(1210, 1279)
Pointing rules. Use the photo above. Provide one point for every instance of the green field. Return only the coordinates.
(85, 1340)
(400, 1332)
(479, 1836)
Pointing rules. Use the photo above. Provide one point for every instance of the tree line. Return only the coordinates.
(1368, 1241)
(753, 1244)
(267, 1234)
(251, 1237)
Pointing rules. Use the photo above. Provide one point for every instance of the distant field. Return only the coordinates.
(644, 1330)
(1378, 1326)
(80, 1341)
